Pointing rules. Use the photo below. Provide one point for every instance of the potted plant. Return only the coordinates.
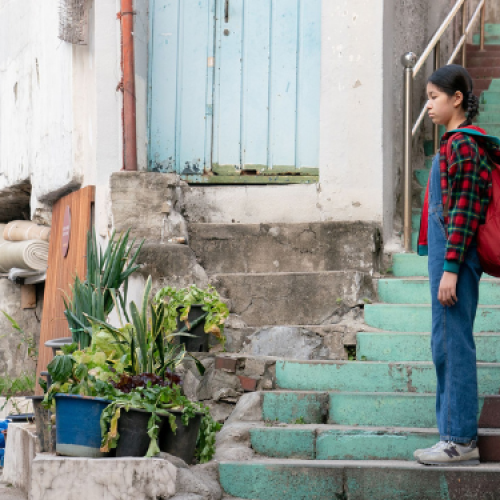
(107, 275)
(132, 368)
(195, 313)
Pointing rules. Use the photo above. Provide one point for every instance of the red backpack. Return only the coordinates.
(488, 235)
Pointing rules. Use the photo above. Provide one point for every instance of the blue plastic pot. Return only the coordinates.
(78, 432)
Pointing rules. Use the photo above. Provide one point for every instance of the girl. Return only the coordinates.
(458, 193)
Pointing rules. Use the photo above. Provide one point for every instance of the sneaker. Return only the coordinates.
(451, 454)
(438, 445)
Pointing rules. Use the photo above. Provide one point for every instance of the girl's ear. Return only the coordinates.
(458, 99)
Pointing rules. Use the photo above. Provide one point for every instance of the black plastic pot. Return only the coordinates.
(21, 417)
(199, 341)
(56, 344)
(133, 430)
(45, 432)
(182, 444)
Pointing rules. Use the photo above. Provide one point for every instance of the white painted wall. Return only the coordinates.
(60, 109)
(351, 137)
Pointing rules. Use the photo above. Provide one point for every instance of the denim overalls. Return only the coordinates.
(452, 342)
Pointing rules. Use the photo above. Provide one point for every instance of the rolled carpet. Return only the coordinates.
(32, 254)
(24, 230)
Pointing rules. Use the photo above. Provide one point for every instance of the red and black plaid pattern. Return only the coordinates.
(469, 171)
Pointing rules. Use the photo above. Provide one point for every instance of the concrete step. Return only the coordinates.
(372, 376)
(263, 299)
(281, 247)
(278, 479)
(417, 317)
(474, 49)
(484, 72)
(399, 409)
(309, 407)
(495, 85)
(395, 409)
(409, 264)
(417, 291)
(489, 39)
(479, 60)
(481, 84)
(410, 346)
(422, 176)
(338, 442)
(488, 117)
(490, 97)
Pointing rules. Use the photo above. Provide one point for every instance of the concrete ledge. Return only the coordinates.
(56, 478)
(13, 405)
(357, 480)
(20, 451)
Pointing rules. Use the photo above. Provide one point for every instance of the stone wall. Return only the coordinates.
(14, 358)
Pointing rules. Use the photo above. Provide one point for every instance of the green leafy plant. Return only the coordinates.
(351, 353)
(146, 345)
(160, 401)
(106, 281)
(27, 339)
(180, 301)
(300, 421)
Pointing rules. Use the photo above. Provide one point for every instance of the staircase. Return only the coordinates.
(347, 430)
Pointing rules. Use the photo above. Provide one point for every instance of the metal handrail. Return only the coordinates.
(412, 66)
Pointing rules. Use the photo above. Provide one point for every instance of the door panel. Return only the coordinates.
(254, 65)
(267, 85)
(181, 55)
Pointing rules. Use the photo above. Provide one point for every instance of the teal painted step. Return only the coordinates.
(341, 442)
(422, 175)
(489, 39)
(492, 128)
(396, 409)
(417, 291)
(409, 264)
(415, 218)
(403, 346)
(489, 97)
(488, 117)
(417, 317)
(293, 441)
(414, 240)
(282, 479)
(372, 376)
(288, 407)
(495, 85)
(429, 147)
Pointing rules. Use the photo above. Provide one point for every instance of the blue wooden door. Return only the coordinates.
(234, 87)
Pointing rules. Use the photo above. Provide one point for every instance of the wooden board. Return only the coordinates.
(62, 270)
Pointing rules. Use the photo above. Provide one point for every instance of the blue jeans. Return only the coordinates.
(452, 342)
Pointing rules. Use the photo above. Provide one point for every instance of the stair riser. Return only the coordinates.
(413, 292)
(489, 59)
(408, 318)
(336, 480)
(281, 247)
(292, 406)
(484, 72)
(417, 347)
(359, 376)
(362, 444)
(490, 97)
(294, 298)
(400, 410)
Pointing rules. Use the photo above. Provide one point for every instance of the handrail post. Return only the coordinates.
(464, 28)
(483, 20)
(408, 60)
(437, 65)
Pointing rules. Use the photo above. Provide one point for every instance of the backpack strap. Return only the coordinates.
(446, 208)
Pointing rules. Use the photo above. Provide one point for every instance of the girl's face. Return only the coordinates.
(441, 107)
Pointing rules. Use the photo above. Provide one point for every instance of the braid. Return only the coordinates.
(472, 107)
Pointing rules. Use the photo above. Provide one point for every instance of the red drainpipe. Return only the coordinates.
(128, 68)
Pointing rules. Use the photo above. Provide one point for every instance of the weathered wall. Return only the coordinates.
(35, 99)
(351, 136)
(13, 352)
(493, 12)
(409, 27)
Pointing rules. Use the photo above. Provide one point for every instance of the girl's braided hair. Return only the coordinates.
(455, 78)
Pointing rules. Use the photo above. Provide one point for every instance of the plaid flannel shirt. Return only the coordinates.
(469, 171)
